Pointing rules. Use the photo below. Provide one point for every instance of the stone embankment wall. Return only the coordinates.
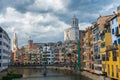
(84, 73)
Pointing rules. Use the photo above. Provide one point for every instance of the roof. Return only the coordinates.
(102, 20)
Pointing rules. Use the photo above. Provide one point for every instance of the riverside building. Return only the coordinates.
(4, 49)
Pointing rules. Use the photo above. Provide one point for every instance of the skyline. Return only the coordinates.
(45, 21)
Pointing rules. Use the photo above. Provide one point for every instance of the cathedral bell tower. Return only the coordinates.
(14, 43)
(74, 22)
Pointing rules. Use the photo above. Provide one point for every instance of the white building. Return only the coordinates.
(4, 49)
(115, 30)
(47, 55)
(73, 32)
(15, 48)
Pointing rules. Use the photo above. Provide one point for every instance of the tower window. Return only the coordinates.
(73, 22)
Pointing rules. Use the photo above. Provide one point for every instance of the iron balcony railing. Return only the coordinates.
(110, 48)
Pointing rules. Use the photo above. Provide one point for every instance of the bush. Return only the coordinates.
(7, 78)
(12, 76)
(15, 75)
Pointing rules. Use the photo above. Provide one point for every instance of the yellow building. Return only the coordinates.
(105, 42)
(111, 58)
(118, 10)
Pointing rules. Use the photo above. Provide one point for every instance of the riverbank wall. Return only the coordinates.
(84, 73)
(75, 71)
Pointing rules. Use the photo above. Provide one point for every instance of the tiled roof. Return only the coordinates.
(101, 21)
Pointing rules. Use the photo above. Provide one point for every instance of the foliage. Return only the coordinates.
(12, 76)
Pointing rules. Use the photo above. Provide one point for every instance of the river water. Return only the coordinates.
(37, 74)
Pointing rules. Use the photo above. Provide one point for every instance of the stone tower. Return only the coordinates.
(72, 33)
(14, 43)
(74, 22)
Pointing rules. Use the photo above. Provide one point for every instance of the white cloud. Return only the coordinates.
(55, 5)
(83, 26)
(109, 9)
(27, 24)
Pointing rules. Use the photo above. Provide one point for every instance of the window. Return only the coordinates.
(119, 41)
(0, 57)
(103, 45)
(92, 66)
(115, 42)
(108, 69)
(98, 68)
(102, 37)
(112, 70)
(0, 42)
(0, 36)
(107, 56)
(117, 71)
(112, 31)
(116, 31)
(103, 57)
(114, 54)
(96, 49)
(0, 50)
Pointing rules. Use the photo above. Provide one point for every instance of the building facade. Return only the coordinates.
(4, 49)
(87, 56)
(14, 53)
(112, 59)
(47, 55)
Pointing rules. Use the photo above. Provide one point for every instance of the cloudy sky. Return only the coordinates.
(45, 20)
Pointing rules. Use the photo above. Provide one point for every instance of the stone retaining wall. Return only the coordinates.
(84, 73)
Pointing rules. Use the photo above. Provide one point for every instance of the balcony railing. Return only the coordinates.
(110, 48)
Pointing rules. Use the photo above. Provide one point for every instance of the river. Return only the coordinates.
(37, 74)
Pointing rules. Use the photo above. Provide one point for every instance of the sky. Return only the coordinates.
(46, 20)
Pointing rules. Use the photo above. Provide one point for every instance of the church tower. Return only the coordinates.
(74, 22)
(72, 33)
(14, 43)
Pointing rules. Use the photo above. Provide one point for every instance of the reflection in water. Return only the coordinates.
(37, 74)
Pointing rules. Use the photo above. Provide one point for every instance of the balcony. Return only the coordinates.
(110, 48)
